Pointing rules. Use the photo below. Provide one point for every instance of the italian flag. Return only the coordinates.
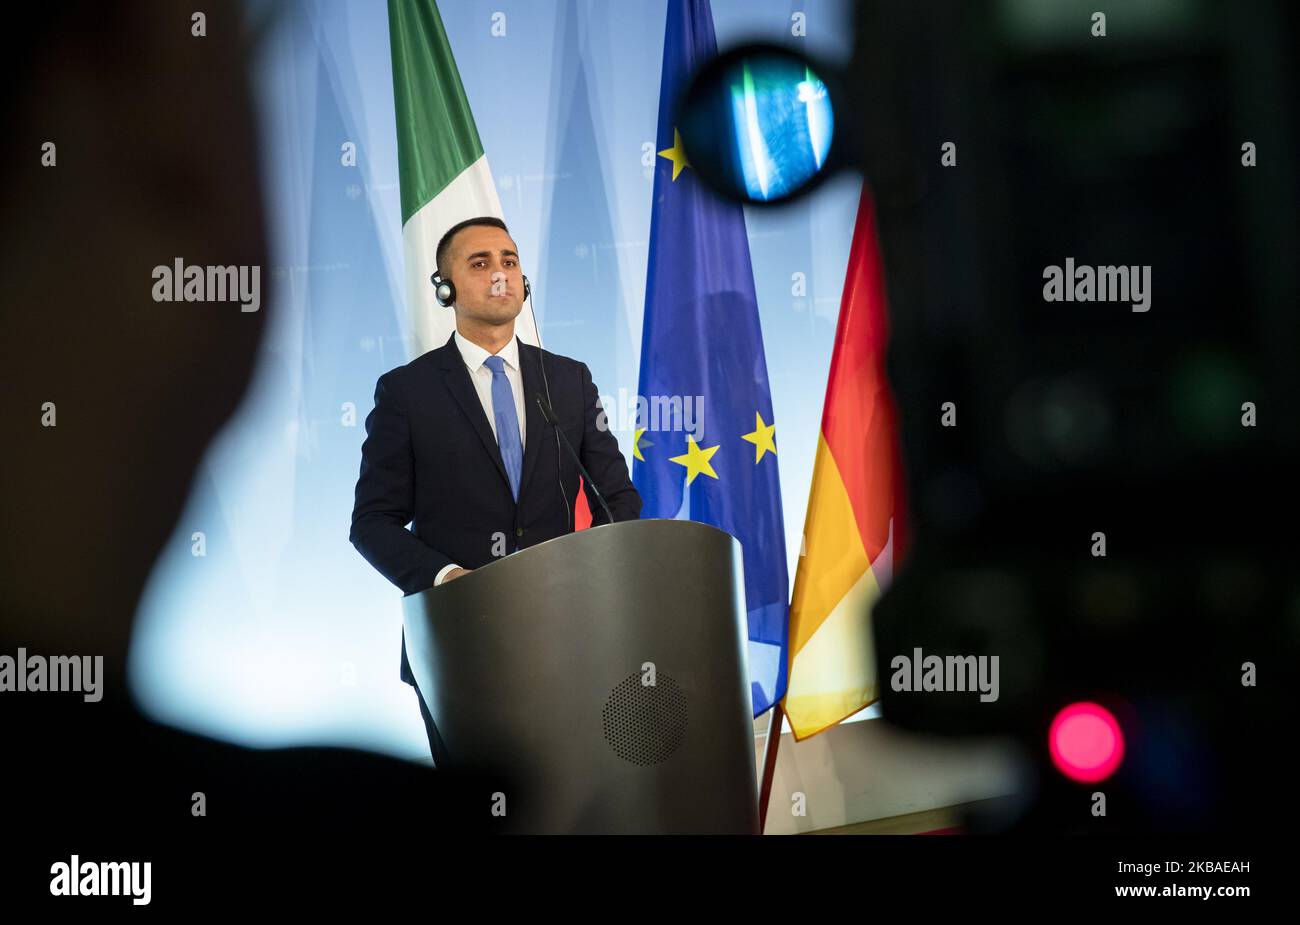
(854, 529)
(443, 172)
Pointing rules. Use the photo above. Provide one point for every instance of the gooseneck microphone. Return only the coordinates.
(549, 414)
(541, 357)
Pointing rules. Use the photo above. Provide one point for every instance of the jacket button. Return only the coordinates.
(519, 531)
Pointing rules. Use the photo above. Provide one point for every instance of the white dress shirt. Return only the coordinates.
(481, 375)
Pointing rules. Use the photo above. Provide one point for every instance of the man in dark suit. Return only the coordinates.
(458, 445)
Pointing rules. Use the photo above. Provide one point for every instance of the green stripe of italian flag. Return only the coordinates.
(443, 172)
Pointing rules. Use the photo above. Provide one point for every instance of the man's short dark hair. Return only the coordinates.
(444, 245)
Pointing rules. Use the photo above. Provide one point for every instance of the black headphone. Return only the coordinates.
(444, 290)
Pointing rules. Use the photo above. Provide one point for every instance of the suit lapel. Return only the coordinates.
(456, 376)
(535, 426)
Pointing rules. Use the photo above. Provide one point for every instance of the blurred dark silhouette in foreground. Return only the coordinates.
(156, 158)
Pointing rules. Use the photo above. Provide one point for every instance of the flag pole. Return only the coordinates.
(773, 743)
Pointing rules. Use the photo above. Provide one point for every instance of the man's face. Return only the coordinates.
(484, 266)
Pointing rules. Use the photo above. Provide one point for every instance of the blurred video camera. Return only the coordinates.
(1089, 239)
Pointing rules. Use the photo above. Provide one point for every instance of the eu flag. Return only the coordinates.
(705, 447)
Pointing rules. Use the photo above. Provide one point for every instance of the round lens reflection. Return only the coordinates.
(758, 124)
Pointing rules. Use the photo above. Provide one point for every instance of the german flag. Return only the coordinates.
(854, 531)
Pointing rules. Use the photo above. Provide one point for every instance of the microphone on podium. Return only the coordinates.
(549, 414)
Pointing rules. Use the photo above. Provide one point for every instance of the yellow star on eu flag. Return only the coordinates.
(696, 460)
(637, 443)
(676, 154)
(761, 437)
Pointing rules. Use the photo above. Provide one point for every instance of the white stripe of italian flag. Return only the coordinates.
(444, 174)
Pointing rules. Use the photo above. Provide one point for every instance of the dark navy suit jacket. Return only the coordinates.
(430, 459)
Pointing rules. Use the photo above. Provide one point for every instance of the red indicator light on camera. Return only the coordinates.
(1086, 742)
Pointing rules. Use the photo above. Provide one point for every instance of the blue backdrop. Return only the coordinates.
(261, 624)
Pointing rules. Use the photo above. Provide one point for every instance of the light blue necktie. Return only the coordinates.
(507, 419)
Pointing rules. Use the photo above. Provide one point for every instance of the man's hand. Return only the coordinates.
(456, 573)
